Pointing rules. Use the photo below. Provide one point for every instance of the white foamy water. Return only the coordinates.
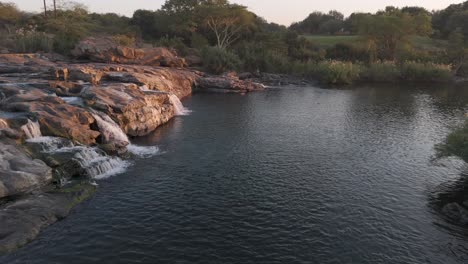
(96, 163)
(180, 110)
(73, 100)
(110, 131)
(143, 151)
(31, 129)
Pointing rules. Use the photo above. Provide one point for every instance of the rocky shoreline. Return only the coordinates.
(64, 124)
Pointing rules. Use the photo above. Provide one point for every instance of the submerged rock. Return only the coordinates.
(456, 213)
(23, 219)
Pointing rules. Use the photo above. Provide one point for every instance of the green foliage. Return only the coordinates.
(30, 41)
(349, 52)
(426, 72)
(336, 72)
(382, 71)
(456, 144)
(124, 40)
(217, 60)
(175, 43)
(454, 16)
(320, 23)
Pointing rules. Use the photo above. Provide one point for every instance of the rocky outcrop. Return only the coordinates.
(19, 173)
(229, 83)
(137, 112)
(23, 219)
(60, 122)
(106, 50)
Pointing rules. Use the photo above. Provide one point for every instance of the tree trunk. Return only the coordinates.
(45, 8)
(55, 9)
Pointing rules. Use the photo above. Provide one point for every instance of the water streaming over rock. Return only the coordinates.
(95, 163)
(110, 131)
(179, 108)
(31, 129)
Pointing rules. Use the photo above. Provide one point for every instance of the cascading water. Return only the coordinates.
(179, 108)
(93, 161)
(110, 131)
(32, 129)
(97, 164)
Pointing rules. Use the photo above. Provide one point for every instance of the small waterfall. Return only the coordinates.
(98, 165)
(95, 163)
(180, 110)
(110, 131)
(32, 129)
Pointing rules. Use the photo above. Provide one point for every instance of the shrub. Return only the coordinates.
(175, 43)
(456, 144)
(335, 72)
(417, 71)
(217, 60)
(124, 40)
(28, 41)
(384, 71)
(348, 52)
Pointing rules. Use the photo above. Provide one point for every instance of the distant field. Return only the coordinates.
(425, 43)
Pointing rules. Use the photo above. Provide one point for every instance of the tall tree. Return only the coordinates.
(45, 8)
(226, 21)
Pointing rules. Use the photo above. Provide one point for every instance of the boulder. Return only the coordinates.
(106, 50)
(229, 83)
(137, 112)
(19, 173)
(175, 81)
(60, 120)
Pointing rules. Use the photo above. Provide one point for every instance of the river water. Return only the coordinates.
(289, 175)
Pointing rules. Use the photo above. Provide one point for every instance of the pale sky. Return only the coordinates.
(280, 11)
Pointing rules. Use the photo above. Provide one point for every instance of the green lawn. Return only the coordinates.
(425, 43)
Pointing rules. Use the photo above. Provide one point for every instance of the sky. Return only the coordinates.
(279, 11)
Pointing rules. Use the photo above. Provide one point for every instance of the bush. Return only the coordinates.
(335, 72)
(385, 71)
(417, 71)
(456, 144)
(29, 41)
(175, 43)
(217, 60)
(124, 40)
(348, 52)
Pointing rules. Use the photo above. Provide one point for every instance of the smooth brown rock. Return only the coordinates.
(106, 50)
(138, 113)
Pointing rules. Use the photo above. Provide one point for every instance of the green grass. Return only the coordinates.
(429, 44)
(423, 43)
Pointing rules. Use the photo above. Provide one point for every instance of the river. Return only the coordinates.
(289, 175)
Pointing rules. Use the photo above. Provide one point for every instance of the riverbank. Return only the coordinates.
(65, 124)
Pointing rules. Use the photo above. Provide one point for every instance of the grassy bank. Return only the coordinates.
(340, 72)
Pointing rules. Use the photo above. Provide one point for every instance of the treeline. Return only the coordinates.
(229, 37)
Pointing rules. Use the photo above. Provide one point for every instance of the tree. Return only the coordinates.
(225, 21)
(456, 49)
(45, 9)
(9, 16)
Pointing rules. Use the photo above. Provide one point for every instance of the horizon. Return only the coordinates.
(272, 11)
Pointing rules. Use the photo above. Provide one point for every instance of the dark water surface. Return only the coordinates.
(291, 175)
